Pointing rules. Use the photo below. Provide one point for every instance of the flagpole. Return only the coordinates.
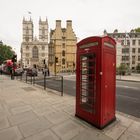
(29, 14)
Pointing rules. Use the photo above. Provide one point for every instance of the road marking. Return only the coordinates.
(128, 87)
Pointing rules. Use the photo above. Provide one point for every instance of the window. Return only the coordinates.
(63, 61)
(133, 50)
(27, 47)
(133, 58)
(43, 47)
(139, 42)
(63, 53)
(43, 31)
(63, 38)
(125, 58)
(27, 38)
(35, 52)
(27, 54)
(128, 42)
(138, 58)
(122, 42)
(125, 50)
(27, 30)
(138, 50)
(133, 42)
(63, 45)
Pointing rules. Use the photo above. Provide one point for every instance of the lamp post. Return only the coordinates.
(128, 44)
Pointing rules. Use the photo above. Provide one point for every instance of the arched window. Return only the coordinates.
(63, 61)
(63, 53)
(43, 31)
(43, 47)
(35, 52)
(27, 47)
(27, 30)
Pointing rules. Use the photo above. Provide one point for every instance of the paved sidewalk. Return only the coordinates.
(132, 77)
(30, 113)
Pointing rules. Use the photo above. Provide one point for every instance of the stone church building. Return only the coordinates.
(34, 51)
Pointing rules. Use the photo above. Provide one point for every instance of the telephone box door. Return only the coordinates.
(87, 85)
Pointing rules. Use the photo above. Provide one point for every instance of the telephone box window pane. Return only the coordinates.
(88, 82)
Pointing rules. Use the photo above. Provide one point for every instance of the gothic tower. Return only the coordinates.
(27, 30)
(43, 30)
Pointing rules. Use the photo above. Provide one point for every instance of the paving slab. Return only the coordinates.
(45, 135)
(70, 110)
(68, 129)
(91, 135)
(20, 109)
(35, 126)
(14, 103)
(116, 131)
(10, 134)
(124, 121)
(22, 117)
(135, 128)
(43, 110)
(57, 117)
(4, 122)
(1, 108)
(129, 136)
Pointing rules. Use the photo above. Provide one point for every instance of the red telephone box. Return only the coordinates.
(96, 80)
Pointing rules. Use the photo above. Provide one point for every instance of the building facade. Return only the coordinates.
(34, 51)
(128, 48)
(62, 48)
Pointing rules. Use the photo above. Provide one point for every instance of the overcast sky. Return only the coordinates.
(89, 17)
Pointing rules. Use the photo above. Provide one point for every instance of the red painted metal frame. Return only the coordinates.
(105, 59)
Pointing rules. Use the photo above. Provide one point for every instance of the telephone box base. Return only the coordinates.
(97, 126)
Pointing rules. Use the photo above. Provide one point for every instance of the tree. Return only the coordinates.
(137, 30)
(122, 69)
(6, 52)
(138, 68)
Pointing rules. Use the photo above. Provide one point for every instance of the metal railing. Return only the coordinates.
(50, 82)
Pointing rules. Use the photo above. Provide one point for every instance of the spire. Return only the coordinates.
(23, 18)
(30, 18)
(40, 19)
(46, 19)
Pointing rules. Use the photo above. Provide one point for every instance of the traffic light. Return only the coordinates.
(56, 59)
(14, 58)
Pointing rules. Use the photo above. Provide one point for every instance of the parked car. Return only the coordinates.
(31, 72)
(18, 71)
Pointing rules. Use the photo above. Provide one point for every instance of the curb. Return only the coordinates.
(127, 80)
(128, 116)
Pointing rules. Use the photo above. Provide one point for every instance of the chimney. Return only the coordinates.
(58, 23)
(69, 23)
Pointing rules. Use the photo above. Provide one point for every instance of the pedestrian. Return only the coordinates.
(1, 69)
(48, 72)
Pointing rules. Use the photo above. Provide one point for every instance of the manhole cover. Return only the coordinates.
(28, 89)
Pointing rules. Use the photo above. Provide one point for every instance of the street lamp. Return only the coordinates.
(128, 44)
